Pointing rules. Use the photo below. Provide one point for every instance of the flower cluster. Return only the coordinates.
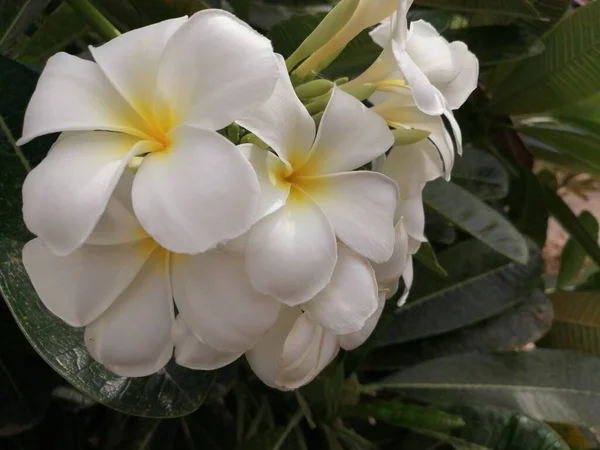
(162, 233)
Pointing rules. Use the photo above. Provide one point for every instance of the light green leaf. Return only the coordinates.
(174, 391)
(480, 284)
(565, 73)
(573, 255)
(549, 385)
(576, 322)
(476, 218)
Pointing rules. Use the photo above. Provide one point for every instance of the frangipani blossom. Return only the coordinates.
(121, 284)
(440, 73)
(311, 195)
(159, 92)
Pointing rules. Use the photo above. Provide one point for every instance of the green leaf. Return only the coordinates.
(565, 73)
(550, 385)
(563, 214)
(573, 255)
(426, 256)
(501, 429)
(289, 34)
(526, 322)
(158, 10)
(171, 392)
(480, 284)
(405, 415)
(573, 142)
(58, 30)
(516, 8)
(25, 389)
(576, 322)
(15, 17)
(499, 43)
(475, 217)
(551, 11)
(481, 174)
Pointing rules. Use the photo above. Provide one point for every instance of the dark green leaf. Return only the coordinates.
(525, 323)
(551, 11)
(173, 391)
(481, 174)
(480, 285)
(15, 17)
(573, 255)
(58, 30)
(475, 217)
(576, 322)
(441, 20)
(550, 385)
(563, 214)
(517, 8)
(501, 429)
(499, 43)
(405, 415)
(565, 73)
(25, 390)
(426, 256)
(289, 34)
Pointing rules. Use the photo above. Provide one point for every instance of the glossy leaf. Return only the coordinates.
(576, 322)
(514, 328)
(501, 429)
(476, 218)
(173, 391)
(573, 255)
(564, 73)
(481, 174)
(480, 284)
(550, 385)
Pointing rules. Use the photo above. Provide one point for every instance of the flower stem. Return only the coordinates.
(95, 19)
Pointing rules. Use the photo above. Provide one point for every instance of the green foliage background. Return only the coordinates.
(454, 367)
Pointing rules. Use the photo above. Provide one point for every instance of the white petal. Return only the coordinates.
(384, 68)
(266, 164)
(400, 23)
(74, 95)
(391, 270)
(307, 350)
(265, 357)
(349, 299)
(283, 122)
(360, 206)
(459, 89)
(133, 337)
(65, 195)
(118, 224)
(291, 254)
(411, 210)
(383, 32)
(427, 98)
(408, 280)
(131, 60)
(358, 338)
(215, 298)
(215, 69)
(350, 135)
(81, 286)
(197, 193)
(418, 162)
(191, 352)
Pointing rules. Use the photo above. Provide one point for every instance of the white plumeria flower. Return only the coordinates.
(296, 349)
(311, 195)
(399, 111)
(120, 285)
(160, 92)
(441, 74)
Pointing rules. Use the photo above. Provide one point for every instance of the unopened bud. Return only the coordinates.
(253, 139)
(407, 136)
(313, 88)
(361, 91)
